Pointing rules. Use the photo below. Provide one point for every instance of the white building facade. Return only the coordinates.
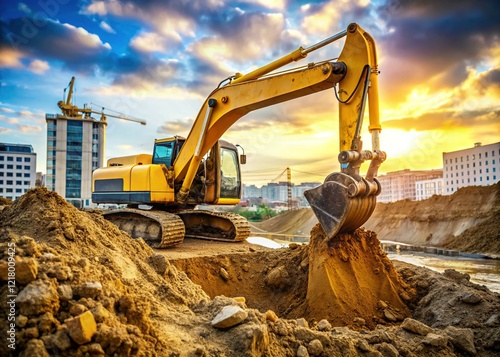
(400, 185)
(17, 170)
(476, 166)
(427, 188)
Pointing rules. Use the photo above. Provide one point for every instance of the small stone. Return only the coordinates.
(435, 340)
(65, 292)
(159, 263)
(240, 299)
(471, 298)
(359, 322)
(31, 332)
(302, 322)
(293, 246)
(387, 350)
(271, 316)
(34, 347)
(416, 327)
(245, 267)
(493, 320)
(89, 289)
(26, 270)
(324, 325)
(229, 316)
(302, 352)
(100, 313)
(81, 328)
(277, 278)
(382, 305)
(389, 316)
(38, 297)
(77, 309)
(47, 322)
(463, 338)
(252, 249)
(362, 345)
(21, 321)
(57, 341)
(224, 274)
(315, 347)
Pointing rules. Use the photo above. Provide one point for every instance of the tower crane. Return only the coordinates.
(73, 111)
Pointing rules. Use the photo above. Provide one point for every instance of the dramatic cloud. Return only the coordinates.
(153, 42)
(38, 66)
(106, 27)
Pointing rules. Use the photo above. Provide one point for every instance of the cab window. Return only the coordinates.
(163, 153)
(230, 174)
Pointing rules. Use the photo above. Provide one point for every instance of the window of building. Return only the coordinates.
(8, 190)
(1, 182)
(494, 177)
(26, 182)
(1, 166)
(487, 170)
(474, 179)
(10, 182)
(10, 158)
(26, 175)
(468, 180)
(10, 174)
(455, 160)
(1, 190)
(19, 159)
(487, 178)
(480, 171)
(481, 179)
(480, 163)
(19, 183)
(1, 174)
(473, 164)
(494, 169)
(2, 158)
(19, 174)
(19, 167)
(461, 159)
(27, 159)
(486, 154)
(493, 162)
(479, 155)
(19, 190)
(26, 167)
(10, 167)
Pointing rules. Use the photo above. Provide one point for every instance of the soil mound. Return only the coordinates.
(466, 220)
(299, 221)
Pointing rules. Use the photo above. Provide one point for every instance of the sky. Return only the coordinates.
(157, 60)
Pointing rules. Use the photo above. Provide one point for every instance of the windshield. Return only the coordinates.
(230, 174)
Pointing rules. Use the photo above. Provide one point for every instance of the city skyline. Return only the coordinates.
(439, 81)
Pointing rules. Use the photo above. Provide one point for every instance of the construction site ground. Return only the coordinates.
(84, 288)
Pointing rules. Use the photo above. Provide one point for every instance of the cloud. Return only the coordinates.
(7, 110)
(10, 58)
(38, 66)
(153, 42)
(5, 130)
(74, 46)
(29, 129)
(106, 27)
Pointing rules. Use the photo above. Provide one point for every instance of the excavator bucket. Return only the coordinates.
(337, 207)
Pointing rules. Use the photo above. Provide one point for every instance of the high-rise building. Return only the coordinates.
(75, 148)
(476, 166)
(400, 185)
(17, 170)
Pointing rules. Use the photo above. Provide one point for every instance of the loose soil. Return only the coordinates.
(70, 263)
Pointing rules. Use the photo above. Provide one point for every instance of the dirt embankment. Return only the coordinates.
(84, 288)
(466, 220)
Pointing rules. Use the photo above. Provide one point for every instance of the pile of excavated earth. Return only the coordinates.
(84, 288)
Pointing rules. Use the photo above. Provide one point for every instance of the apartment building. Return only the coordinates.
(75, 148)
(17, 170)
(476, 166)
(400, 185)
(427, 188)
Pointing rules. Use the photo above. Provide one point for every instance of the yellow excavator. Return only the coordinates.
(183, 173)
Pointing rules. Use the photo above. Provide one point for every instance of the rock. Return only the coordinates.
(100, 313)
(389, 316)
(387, 349)
(455, 275)
(359, 322)
(362, 345)
(315, 347)
(462, 338)
(271, 316)
(31, 332)
(81, 328)
(302, 352)
(435, 340)
(26, 270)
(240, 299)
(77, 309)
(65, 292)
(34, 348)
(229, 316)
(381, 304)
(38, 297)
(159, 263)
(293, 246)
(21, 321)
(324, 325)
(251, 339)
(89, 289)
(224, 274)
(277, 278)
(57, 341)
(416, 327)
(245, 267)
(493, 320)
(471, 298)
(302, 322)
(47, 322)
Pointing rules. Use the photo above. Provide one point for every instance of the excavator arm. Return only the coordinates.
(345, 200)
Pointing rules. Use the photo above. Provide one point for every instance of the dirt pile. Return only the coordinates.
(466, 220)
(83, 288)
